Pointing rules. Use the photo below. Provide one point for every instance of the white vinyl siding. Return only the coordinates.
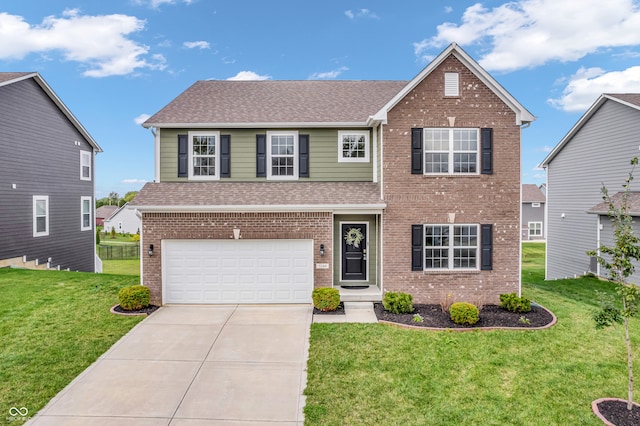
(282, 155)
(40, 215)
(204, 155)
(85, 165)
(353, 147)
(86, 216)
(451, 84)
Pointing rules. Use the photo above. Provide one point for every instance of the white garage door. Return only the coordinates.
(237, 271)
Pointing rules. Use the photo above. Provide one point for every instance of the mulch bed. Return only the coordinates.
(615, 411)
(339, 311)
(148, 310)
(490, 316)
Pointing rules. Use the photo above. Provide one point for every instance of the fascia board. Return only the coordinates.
(370, 208)
(265, 125)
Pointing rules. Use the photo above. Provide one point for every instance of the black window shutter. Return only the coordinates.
(416, 247)
(486, 235)
(486, 137)
(303, 156)
(416, 151)
(261, 155)
(183, 155)
(225, 156)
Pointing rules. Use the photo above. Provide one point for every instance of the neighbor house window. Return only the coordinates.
(204, 158)
(535, 204)
(451, 84)
(451, 247)
(353, 147)
(85, 203)
(282, 155)
(450, 151)
(85, 165)
(535, 229)
(40, 215)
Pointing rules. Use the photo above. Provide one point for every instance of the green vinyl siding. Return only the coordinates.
(323, 156)
(372, 249)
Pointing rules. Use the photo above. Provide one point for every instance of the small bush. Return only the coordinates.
(512, 303)
(326, 299)
(398, 302)
(134, 297)
(464, 313)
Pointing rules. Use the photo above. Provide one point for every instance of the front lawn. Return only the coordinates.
(53, 325)
(377, 374)
(121, 267)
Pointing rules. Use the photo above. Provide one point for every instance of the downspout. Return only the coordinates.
(141, 248)
(156, 153)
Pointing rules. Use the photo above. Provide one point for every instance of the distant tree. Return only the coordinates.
(102, 202)
(113, 198)
(129, 196)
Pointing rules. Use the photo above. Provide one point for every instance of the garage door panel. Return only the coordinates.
(237, 271)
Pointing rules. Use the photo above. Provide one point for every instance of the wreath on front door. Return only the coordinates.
(354, 237)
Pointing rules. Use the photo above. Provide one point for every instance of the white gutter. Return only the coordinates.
(339, 208)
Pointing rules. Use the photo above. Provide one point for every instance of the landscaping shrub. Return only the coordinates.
(134, 297)
(326, 299)
(464, 313)
(512, 303)
(398, 302)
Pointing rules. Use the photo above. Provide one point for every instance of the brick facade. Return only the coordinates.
(481, 199)
(156, 227)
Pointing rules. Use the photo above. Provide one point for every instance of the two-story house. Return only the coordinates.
(266, 189)
(47, 172)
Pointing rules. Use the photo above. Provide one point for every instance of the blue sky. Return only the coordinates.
(115, 62)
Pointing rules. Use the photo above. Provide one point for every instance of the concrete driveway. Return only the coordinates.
(195, 365)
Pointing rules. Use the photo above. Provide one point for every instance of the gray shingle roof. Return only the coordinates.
(269, 195)
(270, 102)
(632, 98)
(8, 76)
(633, 202)
(532, 194)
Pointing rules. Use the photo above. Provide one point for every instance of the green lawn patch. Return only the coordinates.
(53, 325)
(376, 374)
(121, 267)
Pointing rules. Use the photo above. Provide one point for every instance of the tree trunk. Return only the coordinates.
(629, 360)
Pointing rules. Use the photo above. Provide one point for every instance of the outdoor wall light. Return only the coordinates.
(151, 250)
(321, 249)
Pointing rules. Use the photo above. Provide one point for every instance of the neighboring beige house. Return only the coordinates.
(265, 190)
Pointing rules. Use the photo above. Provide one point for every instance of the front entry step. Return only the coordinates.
(358, 305)
(370, 294)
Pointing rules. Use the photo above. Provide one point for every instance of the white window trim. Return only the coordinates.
(535, 204)
(82, 213)
(367, 148)
(295, 155)
(451, 84)
(534, 235)
(44, 233)
(85, 156)
(451, 247)
(190, 175)
(451, 152)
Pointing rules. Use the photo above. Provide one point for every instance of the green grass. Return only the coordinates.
(121, 267)
(366, 374)
(53, 325)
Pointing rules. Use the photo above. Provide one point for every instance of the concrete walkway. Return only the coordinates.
(195, 365)
(353, 312)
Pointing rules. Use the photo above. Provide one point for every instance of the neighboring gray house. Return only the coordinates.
(533, 209)
(47, 174)
(125, 220)
(597, 151)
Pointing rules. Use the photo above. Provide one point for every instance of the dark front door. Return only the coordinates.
(354, 251)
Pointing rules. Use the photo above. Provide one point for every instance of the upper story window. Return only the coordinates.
(85, 207)
(353, 147)
(450, 151)
(40, 215)
(85, 165)
(451, 84)
(451, 247)
(282, 155)
(204, 158)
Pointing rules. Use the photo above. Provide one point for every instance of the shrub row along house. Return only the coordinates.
(266, 189)
(47, 174)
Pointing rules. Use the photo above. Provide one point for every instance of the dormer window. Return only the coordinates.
(451, 84)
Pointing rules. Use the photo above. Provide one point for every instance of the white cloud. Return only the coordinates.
(99, 42)
(539, 176)
(328, 74)
(528, 33)
(141, 118)
(155, 4)
(248, 75)
(133, 181)
(448, 9)
(587, 84)
(546, 148)
(360, 13)
(199, 44)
